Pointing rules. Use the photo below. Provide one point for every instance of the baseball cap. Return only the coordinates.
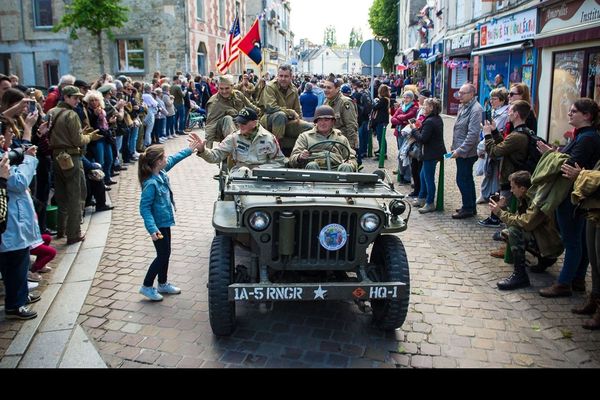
(246, 115)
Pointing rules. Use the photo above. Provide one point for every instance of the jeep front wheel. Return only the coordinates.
(221, 311)
(389, 259)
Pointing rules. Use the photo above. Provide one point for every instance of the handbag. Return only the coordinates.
(415, 151)
(64, 160)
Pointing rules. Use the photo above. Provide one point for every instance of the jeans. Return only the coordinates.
(593, 247)
(466, 183)
(102, 152)
(171, 125)
(148, 130)
(119, 145)
(133, 137)
(14, 266)
(572, 229)
(180, 118)
(427, 178)
(363, 140)
(160, 265)
(159, 128)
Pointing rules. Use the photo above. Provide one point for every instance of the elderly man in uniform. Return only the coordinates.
(346, 119)
(249, 147)
(281, 104)
(222, 108)
(325, 119)
(67, 138)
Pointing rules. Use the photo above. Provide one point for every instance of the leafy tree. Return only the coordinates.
(329, 37)
(96, 16)
(355, 38)
(383, 20)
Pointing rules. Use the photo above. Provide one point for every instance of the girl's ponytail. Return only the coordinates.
(148, 160)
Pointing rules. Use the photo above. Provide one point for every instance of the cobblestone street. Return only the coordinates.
(457, 317)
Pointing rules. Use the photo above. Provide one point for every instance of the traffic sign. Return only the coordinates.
(371, 52)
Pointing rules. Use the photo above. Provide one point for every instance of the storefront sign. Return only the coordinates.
(459, 44)
(570, 14)
(513, 28)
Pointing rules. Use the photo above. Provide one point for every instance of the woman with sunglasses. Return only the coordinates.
(520, 91)
(584, 152)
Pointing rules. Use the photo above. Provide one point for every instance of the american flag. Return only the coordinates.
(230, 51)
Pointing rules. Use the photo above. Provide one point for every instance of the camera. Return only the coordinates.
(495, 197)
(17, 155)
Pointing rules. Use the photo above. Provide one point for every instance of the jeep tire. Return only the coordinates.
(221, 311)
(389, 258)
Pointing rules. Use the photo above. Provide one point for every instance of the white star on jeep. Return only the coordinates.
(319, 293)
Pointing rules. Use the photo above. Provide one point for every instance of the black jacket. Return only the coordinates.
(431, 135)
(585, 149)
(380, 110)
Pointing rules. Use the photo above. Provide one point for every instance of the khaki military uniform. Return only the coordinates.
(346, 119)
(70, 190)
(280, 108)
(220, 114)
(248, 91)
(261, 150)
(312, 137)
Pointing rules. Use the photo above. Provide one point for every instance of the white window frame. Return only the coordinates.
(200, 10)
(222, 14)
(36, 15)
(127, 68)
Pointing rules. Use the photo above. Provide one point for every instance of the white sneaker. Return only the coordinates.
(168, 288)
(32, 285)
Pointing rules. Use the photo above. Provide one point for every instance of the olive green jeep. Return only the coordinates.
(309, 235)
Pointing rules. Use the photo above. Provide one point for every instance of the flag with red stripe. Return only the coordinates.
(230, 51)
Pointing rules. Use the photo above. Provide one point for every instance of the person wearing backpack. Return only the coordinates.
(365, 106)
(513, 148)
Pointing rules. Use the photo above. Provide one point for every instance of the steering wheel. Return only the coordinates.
(330, 145)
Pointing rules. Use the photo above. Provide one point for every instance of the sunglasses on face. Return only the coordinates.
(511, 94)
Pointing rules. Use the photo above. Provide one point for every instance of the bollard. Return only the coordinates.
(382, 148)
(440, 188)
(52, 217)
(512, 207)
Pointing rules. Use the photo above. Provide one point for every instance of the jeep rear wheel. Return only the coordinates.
(389, 258)
(221, 311)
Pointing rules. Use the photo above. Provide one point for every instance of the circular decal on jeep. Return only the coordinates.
(333, 237)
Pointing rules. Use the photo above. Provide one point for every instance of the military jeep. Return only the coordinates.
(309, 234)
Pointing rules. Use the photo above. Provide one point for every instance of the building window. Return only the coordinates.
(42, 13)
(222, 13)
(130, 55)
(461, 11)
(202, 59)
(200, 9)
(51, 73)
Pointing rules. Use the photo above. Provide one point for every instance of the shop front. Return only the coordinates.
(457, 67)
(506, 53)
(569, 42)
(434, 69)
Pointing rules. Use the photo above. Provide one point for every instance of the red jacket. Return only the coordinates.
(400, 118)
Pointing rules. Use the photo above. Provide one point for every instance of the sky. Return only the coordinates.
(309, 18)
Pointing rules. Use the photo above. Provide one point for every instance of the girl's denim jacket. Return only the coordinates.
(156, 203)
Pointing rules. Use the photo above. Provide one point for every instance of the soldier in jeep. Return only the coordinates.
(323, 147)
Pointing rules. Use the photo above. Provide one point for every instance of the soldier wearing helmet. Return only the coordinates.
(325, 119)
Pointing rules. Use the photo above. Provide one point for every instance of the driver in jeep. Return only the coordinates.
(250, 146)
(323, 147)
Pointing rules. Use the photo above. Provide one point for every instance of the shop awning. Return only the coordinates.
(433, 58)
(564, 36)
(408, 51)
(498, 49)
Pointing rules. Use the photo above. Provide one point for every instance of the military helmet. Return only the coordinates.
(324, 111)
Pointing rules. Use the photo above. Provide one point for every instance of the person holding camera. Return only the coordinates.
(21, 232)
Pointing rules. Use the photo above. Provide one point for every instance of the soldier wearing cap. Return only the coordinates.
(221, 108)
(346, 119)
(281, 104)
(250, 146)
(323, 130)
(67, 137)
(246, 87)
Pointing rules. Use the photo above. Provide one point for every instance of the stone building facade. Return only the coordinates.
(28, 47)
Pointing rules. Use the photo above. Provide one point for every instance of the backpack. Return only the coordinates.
(533, 154)
(366, 104)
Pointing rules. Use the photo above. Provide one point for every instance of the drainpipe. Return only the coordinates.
(186, 66)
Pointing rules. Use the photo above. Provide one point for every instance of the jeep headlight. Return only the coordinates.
(259, 220)
(369, 222)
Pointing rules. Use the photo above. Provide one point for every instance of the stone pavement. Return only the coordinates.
(457, 317)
